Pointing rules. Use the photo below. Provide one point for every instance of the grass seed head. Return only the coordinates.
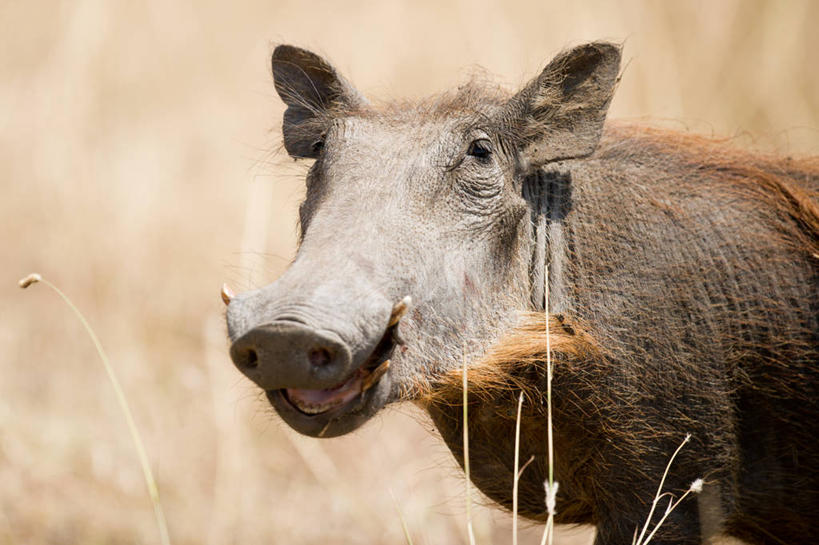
(33, 278)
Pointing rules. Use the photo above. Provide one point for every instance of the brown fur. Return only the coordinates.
(516, 364)
(787, 184)
(498, 370)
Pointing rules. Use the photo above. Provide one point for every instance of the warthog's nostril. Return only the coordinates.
(251, 359)
(319, 357)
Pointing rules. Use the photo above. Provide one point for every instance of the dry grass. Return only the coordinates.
(138, 174)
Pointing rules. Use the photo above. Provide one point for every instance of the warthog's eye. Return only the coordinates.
(317, 146)
(481, 149)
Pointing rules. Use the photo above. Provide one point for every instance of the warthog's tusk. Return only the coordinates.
(399, 310)
(227, 294)
(373, 377)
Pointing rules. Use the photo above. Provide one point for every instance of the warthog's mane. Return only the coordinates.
(507, 366)
(788, 184)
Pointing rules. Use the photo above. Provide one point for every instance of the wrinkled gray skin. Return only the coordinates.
(421, 200)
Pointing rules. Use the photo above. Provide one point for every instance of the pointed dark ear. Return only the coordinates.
(560, 114)
(312, 89)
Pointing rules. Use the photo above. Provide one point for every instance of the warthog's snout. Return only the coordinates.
(291, 355)
(324, 380)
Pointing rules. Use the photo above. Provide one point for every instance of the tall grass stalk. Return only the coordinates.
(470, 532)
(550, 485)
(695, 488)
(404, 526)
(659, 494)
(153, 490)
(517, 474)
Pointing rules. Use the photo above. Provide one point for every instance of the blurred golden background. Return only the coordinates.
(140, 169)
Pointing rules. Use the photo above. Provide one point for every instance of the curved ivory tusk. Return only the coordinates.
(376, 374)
(227, 294)
(399, 310)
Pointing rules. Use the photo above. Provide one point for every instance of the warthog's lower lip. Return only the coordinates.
(316, 402)
(313, 402)
(333, 411)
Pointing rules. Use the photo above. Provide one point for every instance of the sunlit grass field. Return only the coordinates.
(141, 167)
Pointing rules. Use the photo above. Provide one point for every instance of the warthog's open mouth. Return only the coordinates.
(334, 411)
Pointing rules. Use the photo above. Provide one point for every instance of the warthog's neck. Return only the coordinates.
(517, 365)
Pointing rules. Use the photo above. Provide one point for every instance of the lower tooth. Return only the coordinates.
(315, 409)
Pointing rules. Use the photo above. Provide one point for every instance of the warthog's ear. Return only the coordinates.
(560, 114)
(311, 88)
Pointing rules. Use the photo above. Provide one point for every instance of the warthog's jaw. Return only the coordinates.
(337, 410)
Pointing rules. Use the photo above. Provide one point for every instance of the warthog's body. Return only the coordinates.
(687, 270)
(683, 288)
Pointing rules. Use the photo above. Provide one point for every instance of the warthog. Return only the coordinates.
(679, 277)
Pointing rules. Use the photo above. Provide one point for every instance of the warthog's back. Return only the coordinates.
(686, 249)
(697, 268)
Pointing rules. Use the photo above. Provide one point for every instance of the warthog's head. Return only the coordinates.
(416, 232)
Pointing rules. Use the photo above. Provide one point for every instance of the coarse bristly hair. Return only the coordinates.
(611, 390)
(503, 367)
(789, 185)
